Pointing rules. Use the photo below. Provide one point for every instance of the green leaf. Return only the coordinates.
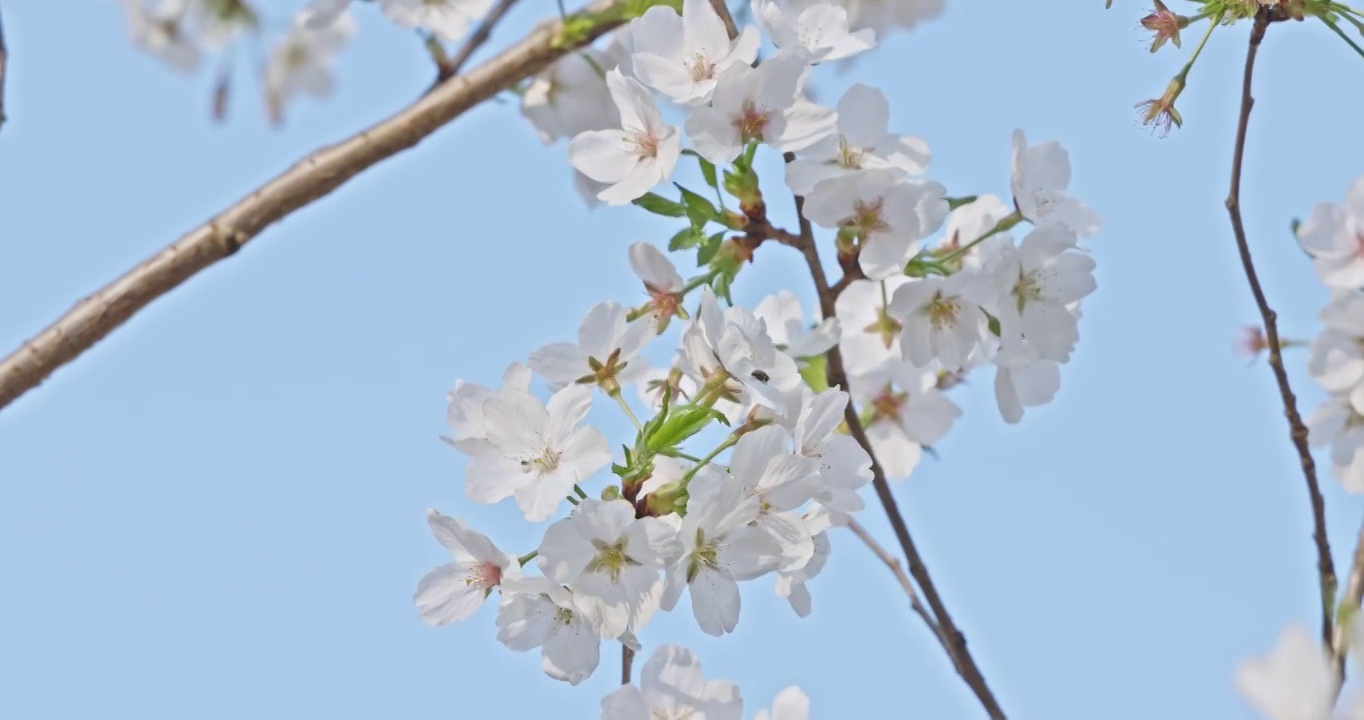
(814, 373)
(683, 422)
(709, 248)
(685, 238)
(954, 203)
(659, 205)
(708, 172)
(699, 210)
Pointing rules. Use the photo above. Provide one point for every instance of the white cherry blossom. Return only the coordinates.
(464, 413)
(942, 318)
(758, 104)
(719, 548)
(843, 466)
(1334, 236)
(790, 704)
(870, 335)
(671, 687)
(1041, 174)
(908, 413)
(1040, 282)
(785, 321)
(302, 62)
(447, 19)
(1293, 682)
(683, 57)
(535, 452)
(570, 97)
(635, 158)
(1023, 379)
(452, 592)
(1337, 354)
(539, 613)
(606, 354)
(611, 560)
(1340, 425)
(159, 28)
(821, 30)
(661, 281)
(862, 141)
(782, 482)
(888, 214)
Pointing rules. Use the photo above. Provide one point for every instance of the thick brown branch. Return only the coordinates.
(951, 638)
(309, 179)
(627, 661)
(1297, 430)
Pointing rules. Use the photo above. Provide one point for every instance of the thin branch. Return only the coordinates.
(893, 563)
(1354, 593)
(4, 60)
(952, 639)
(627, 660)
(722, 8)
(311, 178)
(480, 36)
(1297, 430)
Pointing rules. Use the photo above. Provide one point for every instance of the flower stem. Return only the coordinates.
(727, 444)
(1184, 73)
(527, 557)
(626, 407)
(1005, 223)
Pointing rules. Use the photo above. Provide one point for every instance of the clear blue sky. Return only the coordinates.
(218, 512)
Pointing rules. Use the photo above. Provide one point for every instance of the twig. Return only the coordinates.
(627, 659)
(1297, 430)
(4, 60)
(1354, 593)
(893, 563)
(311, 178)
(722, 8)
(481, 34)
(952, 639)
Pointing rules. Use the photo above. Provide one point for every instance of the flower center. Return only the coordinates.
(700, 68)
(942, 311)
(849, 156)
(646, 145)
(485, 575)
(751, 122)
(706, 555)
(885, 326)
(867, 217)
(887, 405)
(546, 462)
(611, 560)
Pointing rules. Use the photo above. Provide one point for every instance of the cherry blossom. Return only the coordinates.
(1339, 424)
(719, 548)
(465, 411)
(635, 158)
(821, 30)
(887, 214)
(1293, 682)
(908, 413)
(533, 451)
(736, 343)
(159, 28)
(683, 57)
(785, 322)
(570, 97)
(1337, 354)
(661, 282)
(843, 466)
(756, 104)
(782, 482)
(1334, 236)
(607, 352)
(1040, 282)
(871, 336)
(452, 592)
(942, 318)
(862, 141)
(671, 686)
(1023, 379)
(447, 19)
(302, 62)
(538, 613)
(611, 560)
(790, 704)
(1040, 176)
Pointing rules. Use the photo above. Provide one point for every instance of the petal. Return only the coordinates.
(446, 595)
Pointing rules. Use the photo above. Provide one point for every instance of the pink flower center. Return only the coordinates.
(646, 145)
(751, 122)
(485, 575)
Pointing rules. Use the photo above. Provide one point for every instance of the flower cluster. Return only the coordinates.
(1334, 236)
(687, 512)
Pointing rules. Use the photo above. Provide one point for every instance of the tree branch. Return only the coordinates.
(893, 563)
(4, 60)
(952, 639)
(476, 40)
(722, 8)
(1297, 431)
(627, 660)
(311, 178)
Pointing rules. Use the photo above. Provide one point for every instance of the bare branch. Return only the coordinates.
(1354, 593)
(1297, 430)
(627, 660)
(4, 60)
(311, 178)
(722, 8)
(952, 639)
(480, 36)
(893, 563)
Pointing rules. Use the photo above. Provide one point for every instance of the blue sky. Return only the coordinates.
(218, 511)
